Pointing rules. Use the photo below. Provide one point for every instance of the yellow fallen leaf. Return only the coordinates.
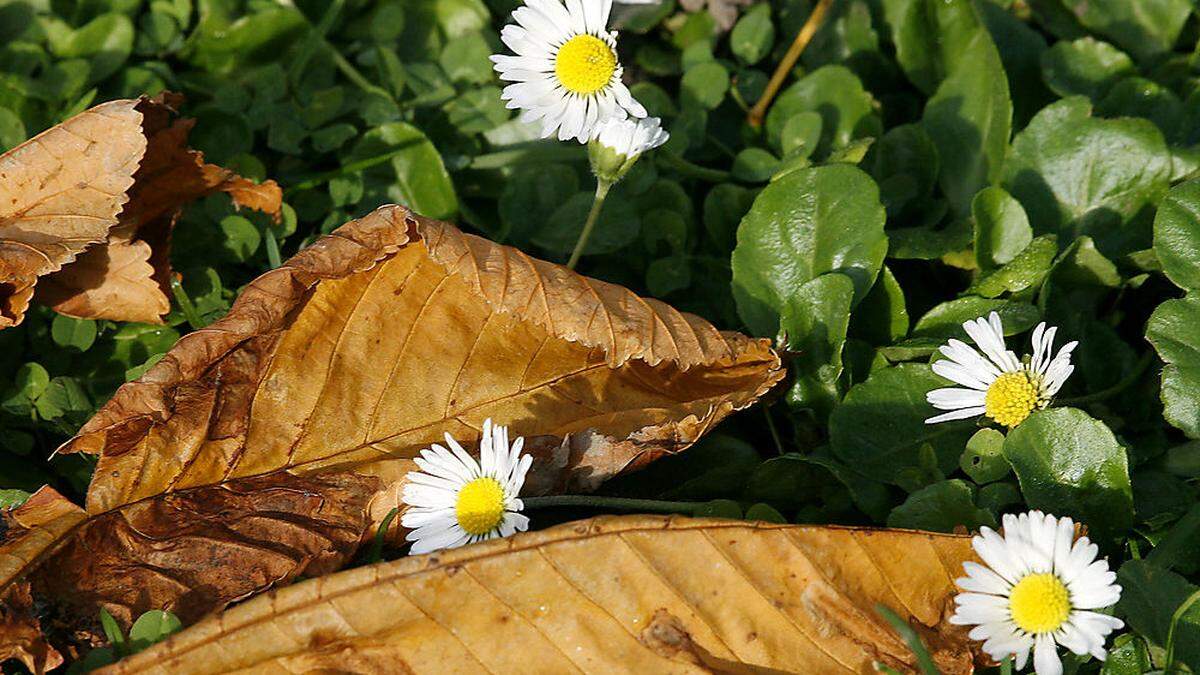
(636, 594)
(372, 343)
(268, 444)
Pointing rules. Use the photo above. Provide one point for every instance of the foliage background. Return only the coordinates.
(948, 158)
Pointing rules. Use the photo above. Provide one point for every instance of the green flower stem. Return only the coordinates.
(615, 503)
(602, 188)
(1126, 382)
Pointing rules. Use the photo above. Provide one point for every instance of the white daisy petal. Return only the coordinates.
(963, 414)
(442, 513)
(1035, 589)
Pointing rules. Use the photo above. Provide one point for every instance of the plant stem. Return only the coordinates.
(1117, 388)
(691, 170)
(1169, 660)
(810, 27)
(352, 167)
(602, 187)
(616, 503)
(774, 432)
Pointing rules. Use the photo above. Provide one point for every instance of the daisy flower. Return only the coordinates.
(454, 500)
(620, 142)
(995, 382)
(1036, 590)
(564, 68)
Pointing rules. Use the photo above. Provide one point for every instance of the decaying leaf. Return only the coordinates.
(638, 594)
(268, 444)
(369, 345)
(31, 532)
(129, 278)
(60, 192)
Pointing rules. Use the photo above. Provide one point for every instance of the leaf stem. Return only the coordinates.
(602, 188)
(691, 170)
(1125, 383)
(616, 503)
(774, 431)
(807, 31)
(352, 167)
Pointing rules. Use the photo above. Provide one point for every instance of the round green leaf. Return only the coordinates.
(785, 241)
(704, 85)
(984, 460)
(941, 507)
(1001, 227)
(1087, 67)
(879, 428)
(1177, 234)
(77, 334)
(753, 35)
(1123, 163)
(1070, 464)
(835, 92)
(1174, 330)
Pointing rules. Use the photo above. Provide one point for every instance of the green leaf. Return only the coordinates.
(969, 118)
(1127, 656)
(1086, 67)
(76, 334)
(530, 198)
(835, 92)
(1123, 163)
(704, 85)
(905, 165)
(724, 207)
(465, 59)
(815, 320)
(1177, 234)
(106, 42)
(754, 165)
(801, 134)
(946, 320)
(753, 35)
(882, 316)
(1070, 464)
(1025, 271)
(418, 178)
(151, 628)
(617, 226)
(242, 238)
(765, 513)
(12, 129)
(879, 428)
(11, 499)
(941, 507)
(1145, 28)
(1151, 602)
(984, 459)
(931, 37)
(1001, 227)
(1140, 97)
(1174, 330)
(1177, 550)
(784, 242)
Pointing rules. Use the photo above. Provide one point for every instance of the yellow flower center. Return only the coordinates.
(1012, 396)
(1039, 603)
(480, 506)
(585, 64)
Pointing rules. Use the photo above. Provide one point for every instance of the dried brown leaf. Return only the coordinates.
(128, 279)
(264, 446)
(32, 530)
(631, 594)
(369, 345)
(60, 192)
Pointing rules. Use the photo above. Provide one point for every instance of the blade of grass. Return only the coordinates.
(924, 660)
